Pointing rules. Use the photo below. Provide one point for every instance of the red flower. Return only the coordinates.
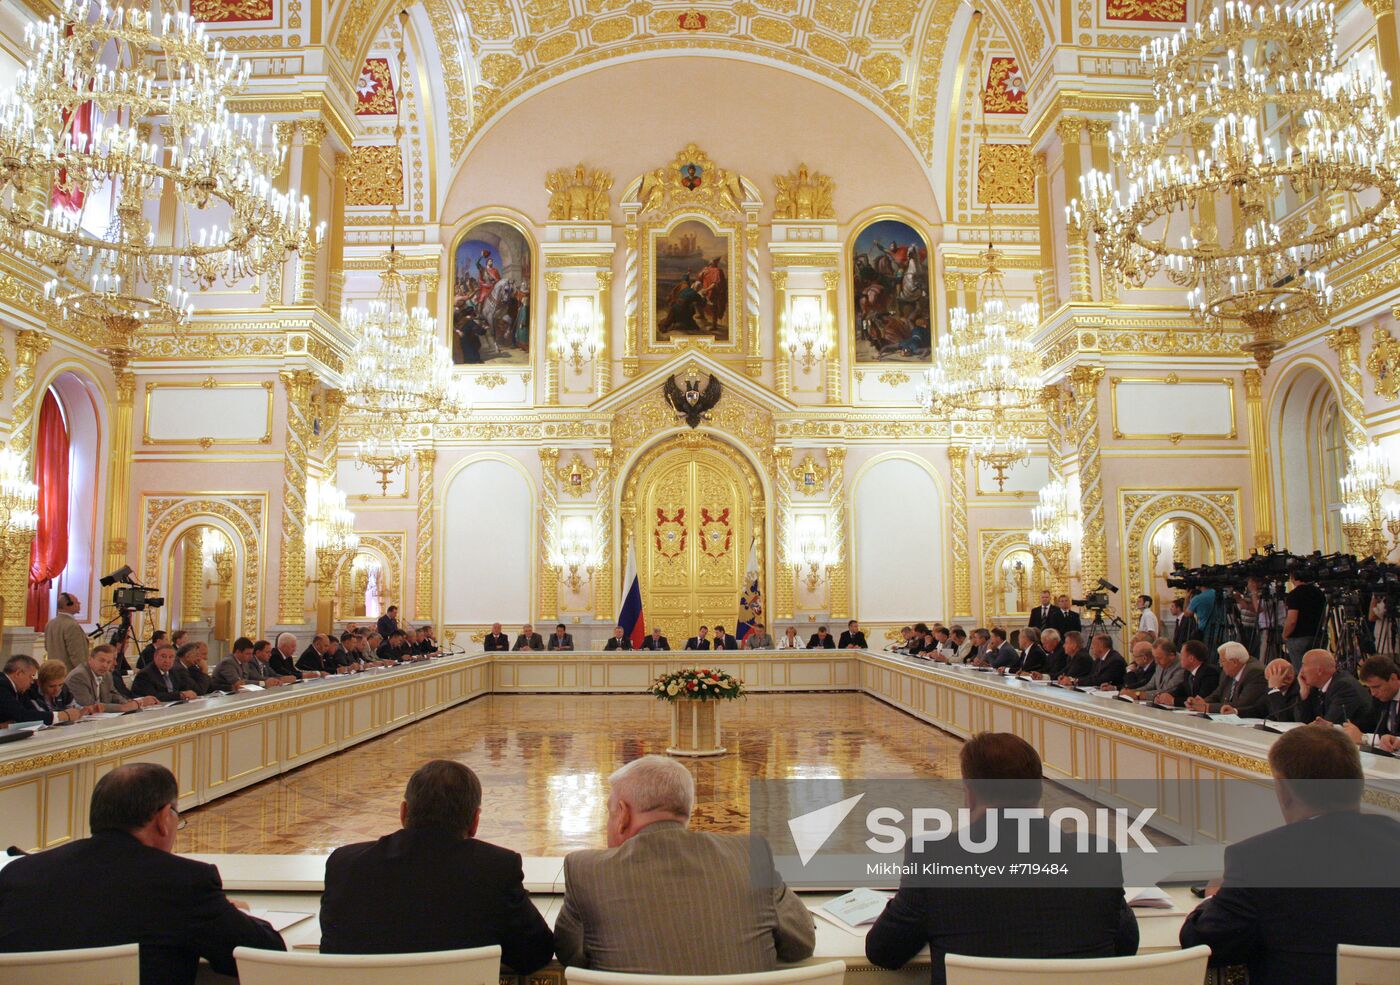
(691, 685)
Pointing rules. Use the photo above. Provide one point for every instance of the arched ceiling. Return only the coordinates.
(889, 54)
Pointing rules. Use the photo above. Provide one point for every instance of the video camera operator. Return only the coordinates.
(1307, 607)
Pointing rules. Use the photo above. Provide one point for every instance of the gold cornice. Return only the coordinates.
(1074, 101)
(317, 105)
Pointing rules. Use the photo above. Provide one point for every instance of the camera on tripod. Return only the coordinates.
(129, 596)
(1097, 600)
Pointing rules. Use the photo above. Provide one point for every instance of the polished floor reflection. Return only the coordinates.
(544, 762)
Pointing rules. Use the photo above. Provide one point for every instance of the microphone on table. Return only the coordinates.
(14, 851)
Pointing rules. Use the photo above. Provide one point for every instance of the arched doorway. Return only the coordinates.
(693, 506)
(1310, 436)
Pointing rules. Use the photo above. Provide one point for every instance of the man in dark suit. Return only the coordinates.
(1381, 676)
(700, 641)
(318, 656)
(1106, 666)
(1033, 657)
(1185, 628)
(1282, 695)
(15, 684)
(1043, 614)
(173, 907)
(1330, 694)
(722, 640)
(655, 641)
(1242, 686)
(1329, 876)
(149, 650)
(157, 678)
(1065, 619)
(852, 638)
(618, 640)
(1049, 918)
(528, 639)
(445, 888)
(1001, 655)
(1140, 667)
(821, 640)
(496, 641)
(561, 638)
(388, 622)
(191, 670)
(1201, 678)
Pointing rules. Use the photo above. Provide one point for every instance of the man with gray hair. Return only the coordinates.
(1242, 685)
(664, 900)
(1167, 674)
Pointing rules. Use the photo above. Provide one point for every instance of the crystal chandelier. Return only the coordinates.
(77, 166)
(1365, 519)
(1055, 526)
(1285, 136)
(1001, 449)
(19, 508)
(400, 372)
(330, 531)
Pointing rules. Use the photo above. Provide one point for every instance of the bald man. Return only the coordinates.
(1242, 686)
(1330, 695)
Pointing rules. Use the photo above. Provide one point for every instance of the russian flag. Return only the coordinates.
(632, 619)
(751, 601)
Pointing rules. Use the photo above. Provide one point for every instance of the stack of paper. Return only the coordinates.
(856, 908)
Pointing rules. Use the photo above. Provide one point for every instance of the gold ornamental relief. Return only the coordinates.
(692, 180)
(1383, 363)
(578, 194)
(374, 176)
(804, 194)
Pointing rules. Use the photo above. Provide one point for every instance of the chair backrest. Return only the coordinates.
(119, 965)
(468, 966)
(825, 973)
(1186, 967)
(1358, 965)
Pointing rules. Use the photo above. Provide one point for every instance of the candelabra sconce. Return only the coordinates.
(330, 533)
(807, 331)
(579, 331)
(1372, 528)
(576, 562)
(363, 569)
(19, 507)
(811, 558)
(220, 554)
(1055, 527)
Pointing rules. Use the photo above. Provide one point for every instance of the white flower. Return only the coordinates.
(672, 688)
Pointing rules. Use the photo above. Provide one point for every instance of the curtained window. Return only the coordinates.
(49, 555)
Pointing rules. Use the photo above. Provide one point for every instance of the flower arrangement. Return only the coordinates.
(697, 684)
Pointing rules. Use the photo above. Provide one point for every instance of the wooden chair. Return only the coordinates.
(119, 965)
(1357, 965)
(825, 973)
(468, 966)
(1186, 967)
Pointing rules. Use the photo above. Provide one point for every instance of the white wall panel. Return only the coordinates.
(1158, 408)
(898, 543)
(226, 413)
(488, 545)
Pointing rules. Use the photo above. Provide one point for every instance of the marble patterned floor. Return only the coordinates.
(544, 762)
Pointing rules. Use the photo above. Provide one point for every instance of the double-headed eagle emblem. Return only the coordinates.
(691, 398)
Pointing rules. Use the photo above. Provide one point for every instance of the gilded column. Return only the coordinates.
(782, 363)
(830, 279)
(424, 459)
(1181, 543)
(29, 346)
(332, 403)
(192, 596)
(962, 567)
(223, 572)
(1259, 466)
(1098, 156)
(1093, 550)
(952, 293)
(553, 313)
(1384, 13)
(838, 586)
(602, 364)
(549, 535)
(335, 238)
(783, 578)
(631, 308)
(312, 133)
(754, 363)
(285, 131)
(291, 606)
(603, 605)
(1052, 401)
(1346, 343)
(1070, 129)
(119, 464)
(1046, 294)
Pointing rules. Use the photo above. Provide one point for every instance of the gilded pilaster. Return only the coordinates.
(1046, 294)
(291, 605)
(782, 362)
(1259, 467)
(1346, 343)
(1386, 42)
(424, 459)
(1181, 543)
(754, 363)
(335, 238)
(603, 604)
(29, 346)
(119, 465)
(285, 131)
(552, 305)
(332, 403)
(313, 132)
(1093, 550)
(602, 365)
(631, 309)
(1052, 401)
(783, 581)
(962, 567)
(1070, 130)
(1098, 156)
(192, 595)
(549, 535)
(838, 584)
(830, 280)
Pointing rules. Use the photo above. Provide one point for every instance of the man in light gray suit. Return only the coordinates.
(1167, 676)
(64, 639)
(91, 683)
(664, 900)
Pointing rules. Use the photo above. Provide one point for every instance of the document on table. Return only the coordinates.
(26, 727)
(1147, 897)
(280, 919)
(102, 714)
(1102, 694)
(252, 687)
(857, 908)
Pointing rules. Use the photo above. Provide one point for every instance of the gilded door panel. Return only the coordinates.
(692, 526)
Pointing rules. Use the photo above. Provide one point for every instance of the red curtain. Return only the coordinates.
(49, 555)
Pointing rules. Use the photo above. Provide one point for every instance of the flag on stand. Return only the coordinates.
(632, 619)
(751, 601)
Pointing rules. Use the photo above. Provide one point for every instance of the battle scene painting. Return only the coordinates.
(889, 270)
(692, 289)
(491, 296)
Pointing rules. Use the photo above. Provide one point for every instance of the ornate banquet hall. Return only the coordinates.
(559, 316)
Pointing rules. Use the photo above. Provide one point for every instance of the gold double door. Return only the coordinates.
(693, 529)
